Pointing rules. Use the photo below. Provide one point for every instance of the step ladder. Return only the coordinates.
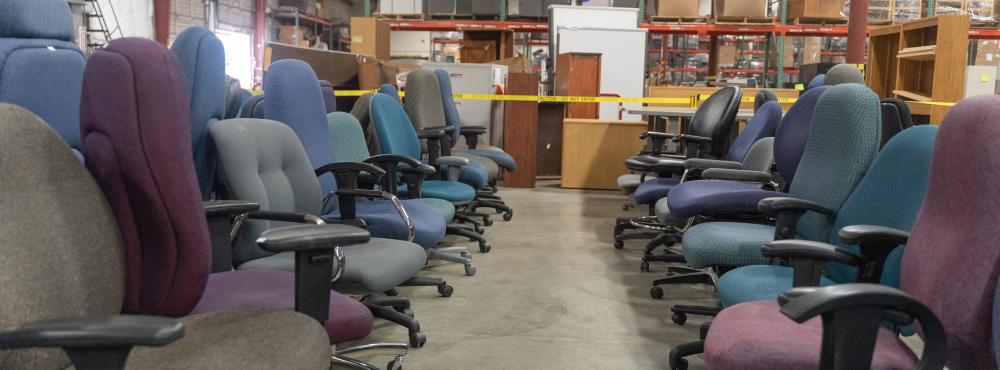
(98, 31)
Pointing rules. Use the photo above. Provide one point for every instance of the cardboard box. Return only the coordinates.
(728, 56)
(370, 36)
(988, 53)
(823, 9)
(521, 64)
(293, 36)
(741, 8)
(812, 50)
(677, 8)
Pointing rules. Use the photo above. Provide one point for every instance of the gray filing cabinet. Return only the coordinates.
(485, 7)
(401, 6)
(468, 78)
(441, 7)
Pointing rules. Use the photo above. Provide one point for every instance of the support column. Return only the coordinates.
(161, 21)
(713, 56)
(259, 25)
(857, 32)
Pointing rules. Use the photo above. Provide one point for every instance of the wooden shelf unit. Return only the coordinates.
(920, 61)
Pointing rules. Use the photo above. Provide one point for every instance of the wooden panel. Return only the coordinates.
(594, 151)
(579, 74)
(550, 127)
(926, 76)
(521, 130)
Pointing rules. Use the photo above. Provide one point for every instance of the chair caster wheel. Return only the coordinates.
(619, 244)
(405, 311)
(465, 255)
(485, 247)
(656, 292)
(470, 270)
(644, 266)
(417, 339)
(392, 292)
(507, 216)
(487, 222)
(480, 230)
(445, 291)
(681, 364)
(625, 208)
(395, 364)
(679, 318)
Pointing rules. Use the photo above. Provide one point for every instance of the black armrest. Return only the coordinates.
(393, 158)
(96, 342)
(430, 133)
(299, 238)
(692, 138)
(702, 163)
(414, 178)
(421, 169)
(807, 258)
(229, 207)
(348, 211)
(788, 211)
(303, 218)
(737, 175)
(656, 135)
(875, 244)
(852, 315)
(471, 134)
(352, 168)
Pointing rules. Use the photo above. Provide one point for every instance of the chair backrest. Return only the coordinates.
(234, 97)
(391, 91)
(952, 260)
(890, 194)
(136, 131)
(762, 96)
(348, 137)
(329, 96)
(41, 69)
(362, 111)
(451, 115)
(423, 99)
(790, 137)
(763, 124)
(843, 139)
(817, 81)
(293, 97)
(760, 157)
(395, 132)
(62, 255)
(253, 107)
(895, 118)
(714, 119)
(263, 161)
(204, 61)
(844, 74)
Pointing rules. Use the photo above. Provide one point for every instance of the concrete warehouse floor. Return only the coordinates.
(552, 294)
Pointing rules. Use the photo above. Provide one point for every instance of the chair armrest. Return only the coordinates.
(224, 223)
(692, 138)
(656, 135)
(737, 175)
(230, 208)
(299, 238)
(413, 177)
(471, 134)
(350, 169)
(875, 244)
(95, 342)
(452, 161)
(656, 140)
(430, 133)
(807, 258)
(787, 212)
(348, 208)
(701, 163)
(393, 158)
(421, 168)
(852, 315)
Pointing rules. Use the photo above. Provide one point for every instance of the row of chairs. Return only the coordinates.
(828, 231)
(138, 213)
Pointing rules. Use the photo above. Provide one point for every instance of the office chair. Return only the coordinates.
(253, 107)
(136, 131)
(329, 96)
(761, 97)
(844, 74)
(895, 118)
(361, 110)
(889, 195)
(948, 277)
(69, 288)
(42, 67)
(234, 97)
(843, 139)
(471, 134)
(817, 81)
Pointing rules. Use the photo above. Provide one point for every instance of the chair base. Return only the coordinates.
(484, 246)
(679, 352)
(680, 312)
(448, 254)
(339, 356)
(463, 216)
(681, 275)
(393, 314)
(495, 204)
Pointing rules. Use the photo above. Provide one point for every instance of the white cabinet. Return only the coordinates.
(470, 78)
(623, 62)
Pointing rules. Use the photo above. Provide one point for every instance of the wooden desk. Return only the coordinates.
(594, 151)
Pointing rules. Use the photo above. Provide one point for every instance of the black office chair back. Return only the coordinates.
(254, 107)
(895, 118)
(714, 119)
(234, 97)
(762, 96)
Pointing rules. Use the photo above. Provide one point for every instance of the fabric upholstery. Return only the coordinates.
(361, 110)
(844, 74)
(61, 249)
(756, 335)
(790, 138)
(234, 97)
(819, 80)
(654, 189)
(627, 183)
(760, 157)
(40, 68)
(329, 96)
(952, 231)
(496, 156)
(895, 118)
(36, 19)
(756, 283)
(450, 109)
(391, 91)
(444, 207)
(241, 339)
(204, 61)
(134, 92)
(455, 192)
(716, 197)
(347, 137)
(274, 289)
(253, 107)
(726, 244)
(385, 222)
(763, 124)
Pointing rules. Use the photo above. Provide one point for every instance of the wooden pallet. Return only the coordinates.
(399, 17)
(879, 22)
(452, 16)
(977, 24)
(744, 20)
(678, 20)
(819, 21)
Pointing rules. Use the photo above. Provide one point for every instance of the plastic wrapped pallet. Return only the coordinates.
(980, 11)
(889, 11)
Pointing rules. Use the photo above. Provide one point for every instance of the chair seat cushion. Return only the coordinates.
(704, 197)
(376, 266)
(629, 182)
(756, 335)
(275, 289)
(475, 174)
(756, 283)
(385, 222)
(241, 339)
(491, 167)
(654, 189)
(726, 244)
(499, 157)
(444, 207)
(455, 192)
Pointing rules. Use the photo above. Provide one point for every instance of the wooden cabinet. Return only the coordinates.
(520, 134)
(594, 151)
(486, 46)
(579, 74)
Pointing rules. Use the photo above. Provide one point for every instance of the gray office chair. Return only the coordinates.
(844, 74)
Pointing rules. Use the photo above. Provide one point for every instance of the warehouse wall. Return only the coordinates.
(184, 14)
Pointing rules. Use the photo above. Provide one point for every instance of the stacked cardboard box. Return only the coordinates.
(741, 8)
(988, 53)
(293, 36)
(370, 36)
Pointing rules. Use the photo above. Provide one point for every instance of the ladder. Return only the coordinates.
(98, 31)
